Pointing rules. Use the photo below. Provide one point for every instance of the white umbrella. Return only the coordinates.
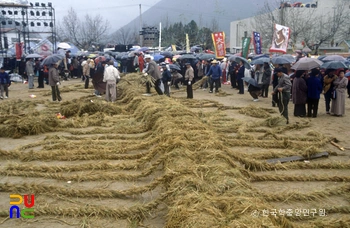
(334, 58)
(307, 64)
(33, 56)
(63, 45)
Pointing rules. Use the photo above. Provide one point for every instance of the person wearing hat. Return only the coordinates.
(153, 70)
(283, 90)
(166, 79)
(111, 76)
(215, 74)
(54, 82)
(189, 75)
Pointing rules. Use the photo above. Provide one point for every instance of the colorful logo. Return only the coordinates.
(27, 212)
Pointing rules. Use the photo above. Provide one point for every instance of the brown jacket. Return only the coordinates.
(53, 76)
(153, 70)
(327, 82)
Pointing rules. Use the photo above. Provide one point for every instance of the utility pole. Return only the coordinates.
(141, 34)
(282, 12)
(160, 36)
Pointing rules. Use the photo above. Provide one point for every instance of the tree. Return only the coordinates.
(83, 33)
(122, 36)
(328, 27)
(264, 22)
(192, 30)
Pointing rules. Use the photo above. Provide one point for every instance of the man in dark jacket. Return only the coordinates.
(166, 79)
(240, 75)
(4, 83)
(266, 78)
(233, 74)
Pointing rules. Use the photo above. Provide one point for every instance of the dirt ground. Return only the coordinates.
(329, 126)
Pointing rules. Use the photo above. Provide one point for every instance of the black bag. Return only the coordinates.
(334, 95)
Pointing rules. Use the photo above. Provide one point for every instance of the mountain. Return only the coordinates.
(205, 13)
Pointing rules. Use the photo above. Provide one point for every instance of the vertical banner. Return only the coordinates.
(219, 44)
(19, 51)
(187, 44)
(257, 43)
(173, 47)
(280, 39)
(245, 46)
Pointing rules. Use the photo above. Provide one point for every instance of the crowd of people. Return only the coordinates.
(302, 88)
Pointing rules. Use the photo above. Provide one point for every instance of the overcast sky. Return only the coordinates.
(118, 12)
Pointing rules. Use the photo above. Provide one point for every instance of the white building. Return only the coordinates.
(245, 27)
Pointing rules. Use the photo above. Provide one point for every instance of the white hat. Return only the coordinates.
(148, 57)
(224, 60)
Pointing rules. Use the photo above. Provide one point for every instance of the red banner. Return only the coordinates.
(219, 44)
(19, 51)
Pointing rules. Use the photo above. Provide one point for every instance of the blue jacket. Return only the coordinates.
(314, 87)
(166, 76)
(5, 78)
(215, 72)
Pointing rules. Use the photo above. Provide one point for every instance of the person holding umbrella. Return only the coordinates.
(266, 78)
(314, 89)
(283, 90)
(240, 75)
(299, 94)
(54, 81)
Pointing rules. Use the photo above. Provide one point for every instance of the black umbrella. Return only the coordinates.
(251, 81)
(261, 56)
(206, 56)
(260, 60)
(187, 56)
(174, 67)
(52, 59)
(238, 59)
(333, 65)
(167, 54)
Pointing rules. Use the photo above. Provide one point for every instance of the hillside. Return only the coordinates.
(204, 13)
